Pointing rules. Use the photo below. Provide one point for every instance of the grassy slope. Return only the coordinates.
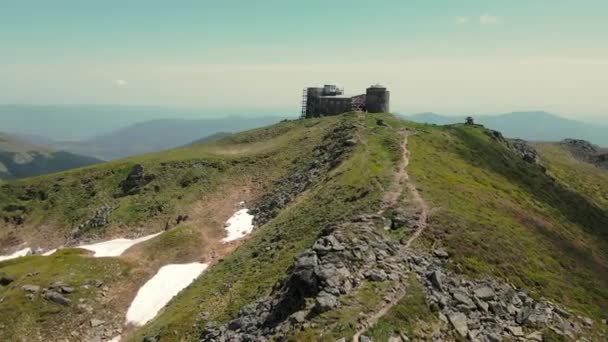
(257, 265)
(499, 215)
(182, 176)
(253, 159)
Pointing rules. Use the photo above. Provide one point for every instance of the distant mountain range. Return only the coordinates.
(19, 159)
(536, 126)
(158, 135)
(82, 122)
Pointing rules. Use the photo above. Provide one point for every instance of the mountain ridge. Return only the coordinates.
(340, 236)
(532, 125)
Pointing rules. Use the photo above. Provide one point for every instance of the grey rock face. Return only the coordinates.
(56, 298)
(484, 293)
(459, 322)
(325, 302)
(376, 275)
(330, 153)
(31, 288)
(136, 179)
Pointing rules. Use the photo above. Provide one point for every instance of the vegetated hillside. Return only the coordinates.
(158, 135)
(189, 191)
(19, 159)
(366, 225)
(534, 125)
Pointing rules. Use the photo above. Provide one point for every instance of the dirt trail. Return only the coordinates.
(401, 180)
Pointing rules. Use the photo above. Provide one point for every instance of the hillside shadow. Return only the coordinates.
(575, 207)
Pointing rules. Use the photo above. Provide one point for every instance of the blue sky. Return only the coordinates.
(446, 56)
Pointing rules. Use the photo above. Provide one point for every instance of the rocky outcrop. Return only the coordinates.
(135, 181)
(333, 149)
(518, 146)
(337, 263)
(99, 220)
(587, 152)
(488, 309)
(334, 266)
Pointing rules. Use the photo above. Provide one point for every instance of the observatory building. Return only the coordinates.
(331, 100)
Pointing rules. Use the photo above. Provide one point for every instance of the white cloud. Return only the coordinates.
(487, 19)
(120, 83)
(461, 20)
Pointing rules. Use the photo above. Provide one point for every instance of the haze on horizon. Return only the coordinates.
(466, 57)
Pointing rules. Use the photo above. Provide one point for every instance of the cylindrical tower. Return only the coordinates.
(377, 99)
(312, 101)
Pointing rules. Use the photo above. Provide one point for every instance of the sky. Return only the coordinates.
(451, 57)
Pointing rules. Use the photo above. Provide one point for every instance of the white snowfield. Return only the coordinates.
(158, 291)
(115, 247)
(239, 225)
(20, 253)
(47, 253)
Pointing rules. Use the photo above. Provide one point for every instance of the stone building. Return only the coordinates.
(331, 100)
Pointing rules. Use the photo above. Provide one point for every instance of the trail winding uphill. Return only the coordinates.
(401, 181)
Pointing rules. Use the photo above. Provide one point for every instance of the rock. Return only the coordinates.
(376, 275)
(135, 180)
(562, 312)
(604, 321)
(464, 299)
(587, 321)
(342, 339)
(5, 280)
(483, 306)
(516, 331)
(484, 293)
(459, 322)
(325, 302)
(328, 243)
(436, 279)
(395, 339)
(30, 288)
(56, 298)
(535, 336)
(96, 322)
(364, 338)
(441, 253)
(298, 317)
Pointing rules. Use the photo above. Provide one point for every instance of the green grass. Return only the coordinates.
(25, 319)
(252, 270)
(406, 317)
(498, 215)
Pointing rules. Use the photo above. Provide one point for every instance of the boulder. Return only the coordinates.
(441, 253)
(436, 279)
(325, 302)
(96, 322)
(375, 275)
(516, 331)
(30, 288)
(462, 298)
(484, 293)
(56, 298)
(459, 322)
(535, 336)
(5, 280)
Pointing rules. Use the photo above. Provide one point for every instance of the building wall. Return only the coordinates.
(377, 100)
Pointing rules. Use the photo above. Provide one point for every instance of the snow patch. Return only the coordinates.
(115, 247)
(47, 253)
(20, 253)
(158, 291)
(239, 225)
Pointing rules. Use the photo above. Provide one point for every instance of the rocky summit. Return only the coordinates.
(354, 227)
